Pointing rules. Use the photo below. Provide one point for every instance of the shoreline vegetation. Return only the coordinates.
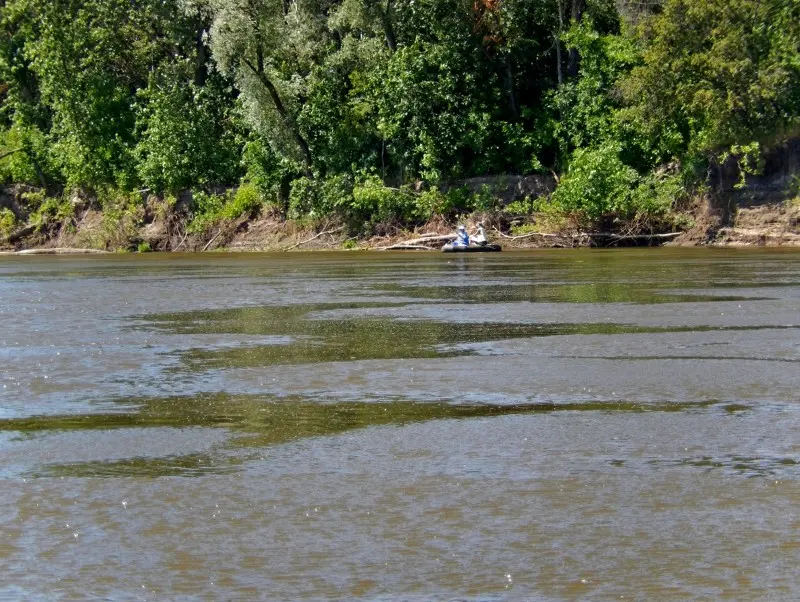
(90, 230)
(203, 125)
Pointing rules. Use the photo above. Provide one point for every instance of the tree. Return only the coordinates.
(270, 48)
(717, 74)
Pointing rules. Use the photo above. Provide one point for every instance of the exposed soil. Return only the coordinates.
(772, 224)
(764, 212)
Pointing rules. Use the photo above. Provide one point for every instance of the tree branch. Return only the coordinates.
(11, 152)
(418, 242)
(316, 236)
(281, 108)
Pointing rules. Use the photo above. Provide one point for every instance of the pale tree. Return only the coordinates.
(270, 47)
(366, 16)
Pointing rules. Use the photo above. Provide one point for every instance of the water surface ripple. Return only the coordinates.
(550, 425)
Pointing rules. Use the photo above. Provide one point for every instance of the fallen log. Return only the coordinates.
(62, 251)
(629, 236)
(215, 237)
(406, 248)
(532, 234)
(316, 236)
(419, 241)
(613, 235)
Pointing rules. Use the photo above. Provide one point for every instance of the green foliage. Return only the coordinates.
(448, 204)
(372, 201)
(143, 247)
(523, 229)
(305, 198)
(187, 134)
(7, 221)
(267, 171)
(656, 195)
(317, 197)
(597, 183)
(717, 73)
(247, 200)
(209, 209)
(748, 158)
(25, 150)
(206, 209)
(372, 110)
(584, 108)
(47, 211)
(525, 206)
(340, 116)
(484, 200)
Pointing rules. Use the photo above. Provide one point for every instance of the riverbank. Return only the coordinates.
(769, 224)
(764, 212)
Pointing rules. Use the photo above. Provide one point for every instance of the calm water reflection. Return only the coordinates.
(526, 426)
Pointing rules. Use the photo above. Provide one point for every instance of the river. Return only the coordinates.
(547, 425)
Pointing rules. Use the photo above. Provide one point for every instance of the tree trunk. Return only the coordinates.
(512, 96)
(558, 41)
(288, 120)
(578, 7)
(386, 23)
(201, 69)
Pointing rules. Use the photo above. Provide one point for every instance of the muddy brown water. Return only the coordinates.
(550, 425)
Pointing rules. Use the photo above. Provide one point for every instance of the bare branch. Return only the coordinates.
(316, 236)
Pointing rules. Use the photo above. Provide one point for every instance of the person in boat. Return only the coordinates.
(462, 238)
(480, 237)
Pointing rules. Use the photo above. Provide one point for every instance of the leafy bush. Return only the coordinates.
(655, 195)
(305, 198)
(247, 200)
(374, 202)
(48, 210)
(597, 184)
(317, 197)
(484, 200)
(187, 134)
(434, 202)
(122, 216)
(209, 209)
(268, 172)
(7, 222)
(525, 206)
(26, 160)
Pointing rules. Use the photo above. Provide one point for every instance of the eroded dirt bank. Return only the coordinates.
(770, 224)
(761, 210)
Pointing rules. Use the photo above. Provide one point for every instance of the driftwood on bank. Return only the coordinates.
(418, 243)
(62, 251)
(402, 247)
(183, 240)
(666, 235)
(316, 236)
(529, 235)
(613, 236)
(213, 238)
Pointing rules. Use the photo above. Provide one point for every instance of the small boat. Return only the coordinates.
(451, 248)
